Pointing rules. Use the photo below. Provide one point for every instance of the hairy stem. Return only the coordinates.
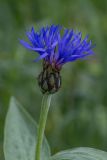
(42, 122)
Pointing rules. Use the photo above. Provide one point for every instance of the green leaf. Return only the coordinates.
(81, 154)
(20, 135)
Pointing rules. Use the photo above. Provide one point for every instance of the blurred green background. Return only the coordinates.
(78, 116)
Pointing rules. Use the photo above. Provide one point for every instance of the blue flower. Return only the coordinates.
(57, 45)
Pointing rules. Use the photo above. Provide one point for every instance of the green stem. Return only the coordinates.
(42, 122)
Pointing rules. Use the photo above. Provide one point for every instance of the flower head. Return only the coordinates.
(58, 49)
(57, 46)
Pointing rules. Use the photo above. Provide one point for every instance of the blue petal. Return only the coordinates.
(26, 45)
(55, 47)
(41, 57)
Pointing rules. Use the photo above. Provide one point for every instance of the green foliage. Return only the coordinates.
(78, 115)
(81, 154)
(20, 135)
(20, 140)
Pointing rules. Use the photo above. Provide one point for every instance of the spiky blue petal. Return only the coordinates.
(57, 47)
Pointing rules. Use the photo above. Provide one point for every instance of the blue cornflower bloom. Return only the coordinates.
(58, 49)
(56, 46)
